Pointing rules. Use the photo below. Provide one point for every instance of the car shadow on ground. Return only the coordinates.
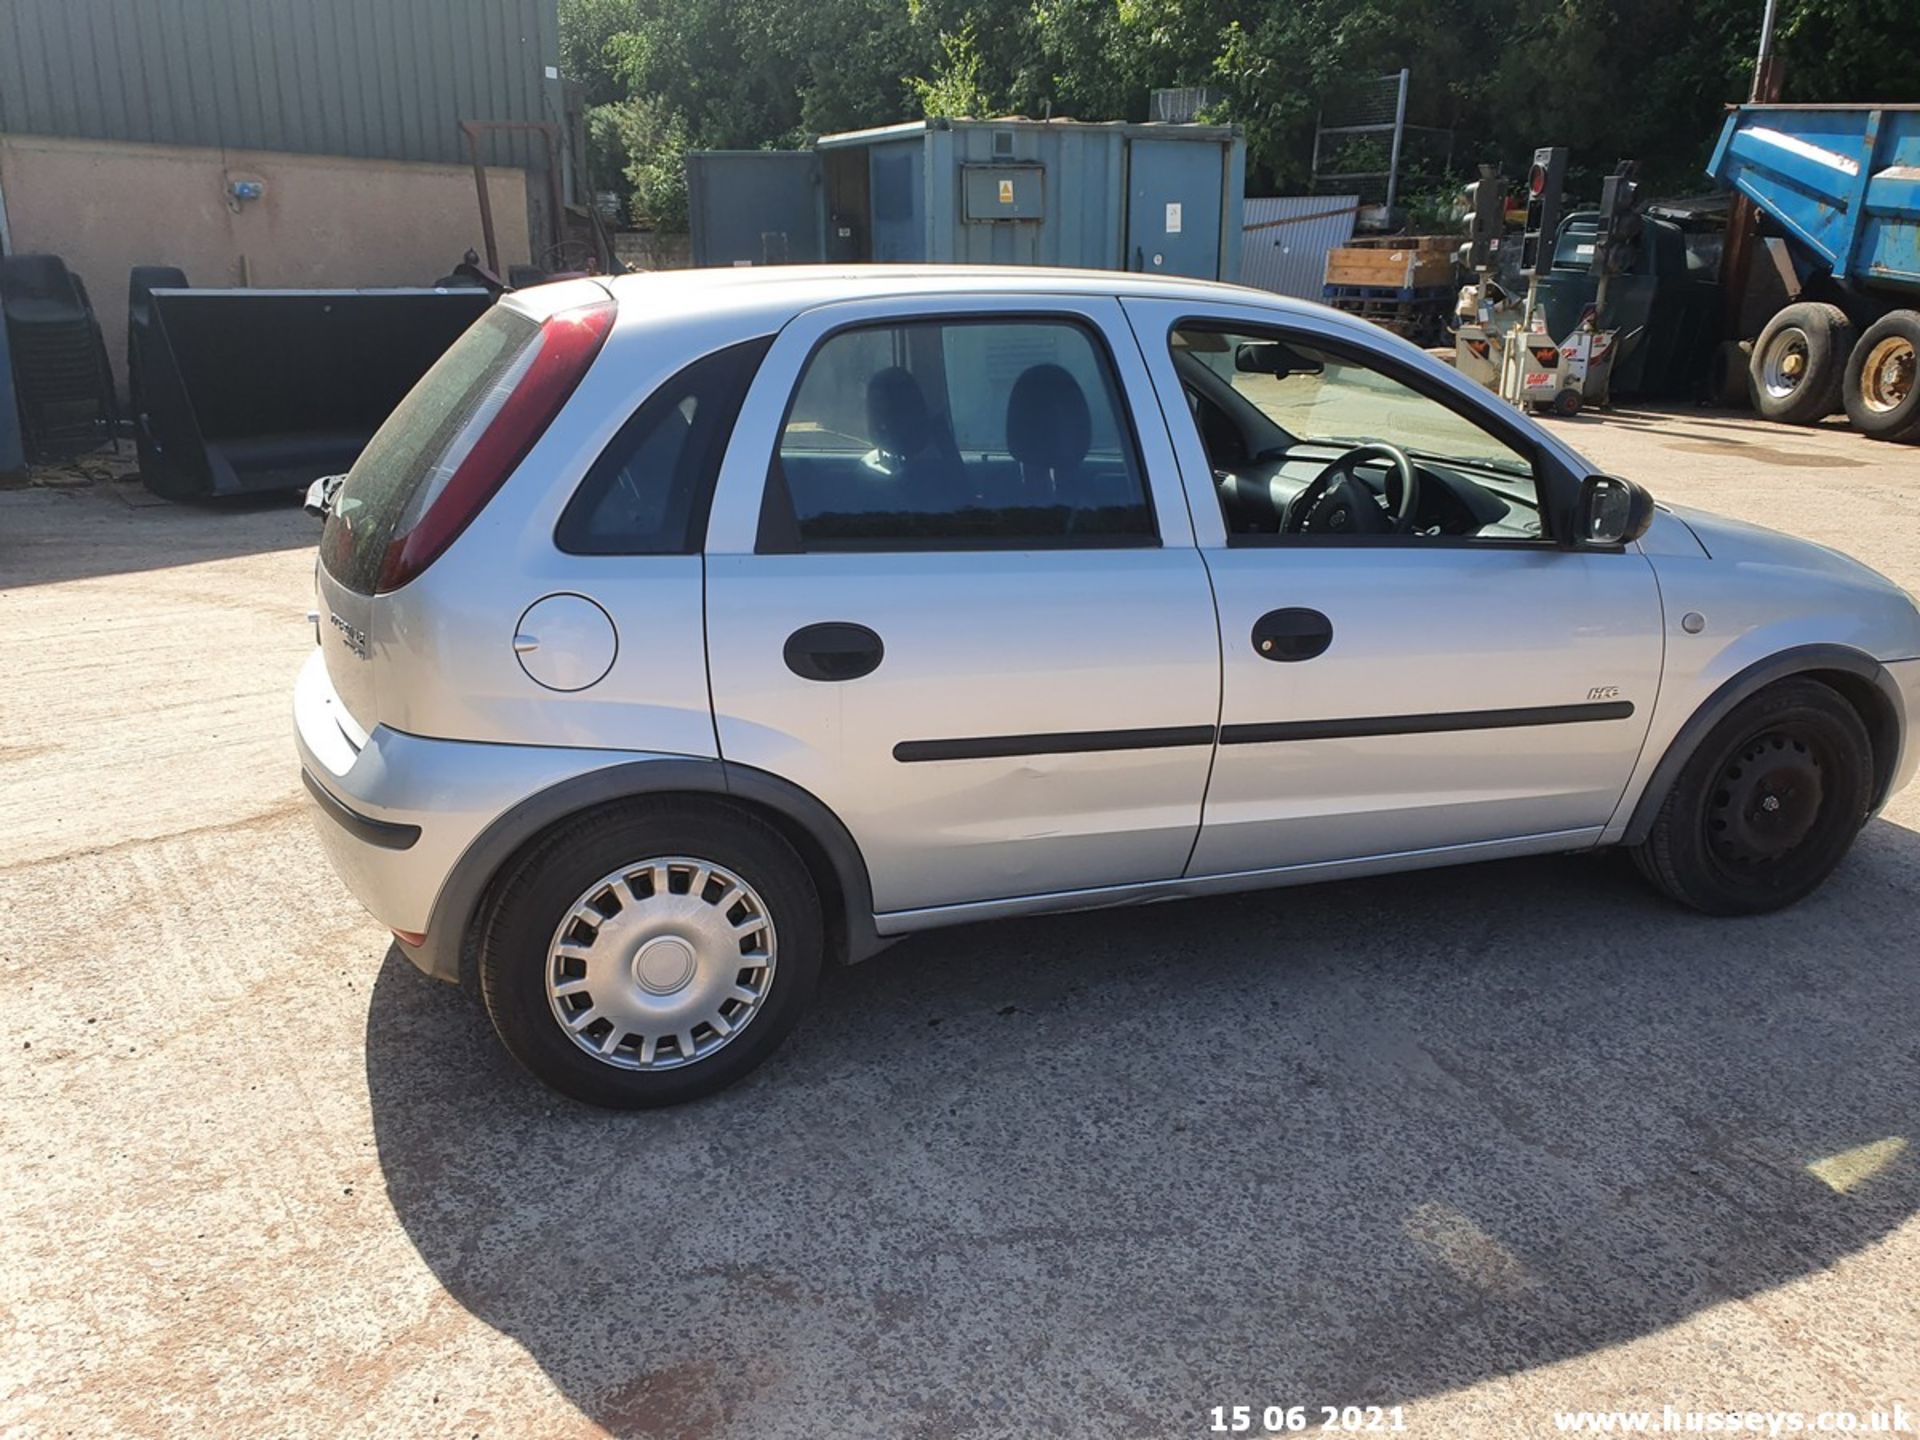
(1354, 1143)
(117, 527)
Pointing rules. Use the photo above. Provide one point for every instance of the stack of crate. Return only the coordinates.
(1404, 282)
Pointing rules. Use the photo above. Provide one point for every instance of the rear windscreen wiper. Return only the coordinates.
(320, 495)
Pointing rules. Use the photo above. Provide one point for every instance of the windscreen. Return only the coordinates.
(410, 455)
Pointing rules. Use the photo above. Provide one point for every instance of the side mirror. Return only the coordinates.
(1270, 357)
(1611, 511)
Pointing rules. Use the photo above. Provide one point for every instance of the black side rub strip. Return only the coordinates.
(385, 833)
(1070, 742)
(1082, 742)
(1278, 730)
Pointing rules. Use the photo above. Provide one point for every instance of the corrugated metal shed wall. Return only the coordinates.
(1086, 196)
(1291, 258)
(1084, 217)
(384, 78)
(758, 206)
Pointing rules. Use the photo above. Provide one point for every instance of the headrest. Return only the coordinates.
(897, 417)
(1048, 423)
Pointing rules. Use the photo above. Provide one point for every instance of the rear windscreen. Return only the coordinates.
(401, 469)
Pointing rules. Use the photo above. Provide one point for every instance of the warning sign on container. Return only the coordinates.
(1173, 217)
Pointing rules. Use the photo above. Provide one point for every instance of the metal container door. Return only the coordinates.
(1173, 208)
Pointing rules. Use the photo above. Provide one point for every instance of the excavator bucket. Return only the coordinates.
(249, 390)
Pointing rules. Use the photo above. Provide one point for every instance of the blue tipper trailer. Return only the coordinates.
(1841, 184)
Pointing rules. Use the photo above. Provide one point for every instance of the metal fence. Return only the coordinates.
(1363, 142)
(1285, 241)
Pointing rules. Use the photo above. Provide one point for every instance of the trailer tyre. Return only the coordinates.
(1881, 397)
(1799, 362)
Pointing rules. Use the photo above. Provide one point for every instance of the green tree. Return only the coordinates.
(1645, 79)
(955, 89)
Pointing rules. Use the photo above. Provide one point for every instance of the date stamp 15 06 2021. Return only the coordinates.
(1305, 1419)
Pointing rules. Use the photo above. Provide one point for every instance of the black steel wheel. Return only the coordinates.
(1795, 372)
(1767, 806)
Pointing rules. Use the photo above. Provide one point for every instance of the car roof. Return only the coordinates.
(786, 290)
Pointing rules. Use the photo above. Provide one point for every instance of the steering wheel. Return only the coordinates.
(1335, 503)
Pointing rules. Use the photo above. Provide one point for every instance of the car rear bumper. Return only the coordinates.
(396, 813)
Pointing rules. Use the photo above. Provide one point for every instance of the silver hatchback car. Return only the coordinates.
(682, 631)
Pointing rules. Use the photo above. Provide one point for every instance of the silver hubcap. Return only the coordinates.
(661, 963)
(1786, 363)
(1886, 380)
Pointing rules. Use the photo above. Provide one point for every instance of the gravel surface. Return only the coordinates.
(1485, 1143)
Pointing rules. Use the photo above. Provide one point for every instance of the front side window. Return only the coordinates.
(958, 434)
(1302, 439)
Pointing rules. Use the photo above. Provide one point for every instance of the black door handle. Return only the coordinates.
(834, 650)
(1292, 634)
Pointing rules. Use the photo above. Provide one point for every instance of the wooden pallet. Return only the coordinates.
(1443, 294)
(1417, 312)
(1447, 243)
(1404, 268)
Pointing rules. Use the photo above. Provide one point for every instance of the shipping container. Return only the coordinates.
(1161, 199)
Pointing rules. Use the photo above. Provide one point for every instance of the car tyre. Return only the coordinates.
(628, 913)
(1766, 806)
(1881, 392)
(1798, 362)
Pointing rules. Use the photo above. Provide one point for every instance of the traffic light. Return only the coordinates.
(1619, 223)
(1483, 206)
(1546, 178)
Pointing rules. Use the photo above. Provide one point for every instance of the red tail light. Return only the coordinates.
(502, 430)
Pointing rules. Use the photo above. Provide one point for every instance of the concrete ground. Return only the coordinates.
(1485, 1143)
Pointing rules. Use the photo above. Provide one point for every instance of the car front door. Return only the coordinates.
(952, 592)
(1468, 682)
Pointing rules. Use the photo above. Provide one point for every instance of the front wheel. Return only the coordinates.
(1767, 806)
(647, 956)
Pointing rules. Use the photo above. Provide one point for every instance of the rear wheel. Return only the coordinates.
(1881, 397)
(1767, 806)
(646, 957)
(1798, 361)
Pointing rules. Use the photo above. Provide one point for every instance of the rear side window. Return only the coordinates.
(651, 488)
(957, 434)
(395, 470)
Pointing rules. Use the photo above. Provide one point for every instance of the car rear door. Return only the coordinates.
(952, 592)
(1404, 695)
